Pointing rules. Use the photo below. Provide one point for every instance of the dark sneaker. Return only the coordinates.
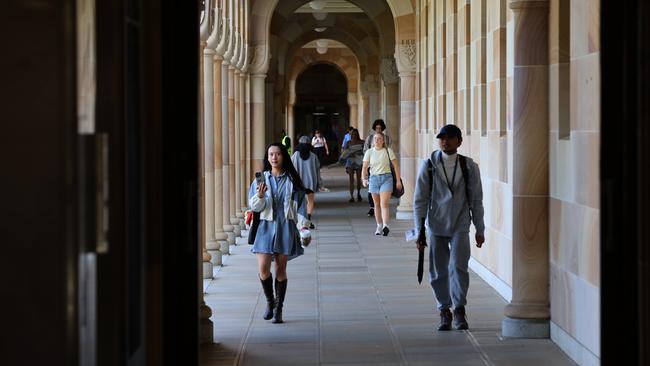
(358, 198)
(371, 212)
(385, 231)
(445, 320)
(460, 320)
(311, 225)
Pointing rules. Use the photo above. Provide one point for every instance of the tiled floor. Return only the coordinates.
(353, 299)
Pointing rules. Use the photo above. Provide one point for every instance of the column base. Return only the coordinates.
(525, 328)
(217, 259)
(230, 237)
(404, 215)
(207, 270)
(207, 331)
(225, 245)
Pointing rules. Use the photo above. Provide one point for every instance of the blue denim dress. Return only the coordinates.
(280, 235)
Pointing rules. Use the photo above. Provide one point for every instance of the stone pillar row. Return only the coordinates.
(225, 124)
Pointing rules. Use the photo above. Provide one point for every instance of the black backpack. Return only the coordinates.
(463, 168)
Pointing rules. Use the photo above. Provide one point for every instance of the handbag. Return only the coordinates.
(253, 227)
(397, 193)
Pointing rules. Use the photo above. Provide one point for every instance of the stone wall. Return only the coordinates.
(466, 69)
(574, 173)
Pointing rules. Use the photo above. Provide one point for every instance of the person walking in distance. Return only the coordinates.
(380, 184)
(354, 161)
(278, 195)
(379, 126)
(308, 167)
(448, 197)
(320, 145)
(286, 141)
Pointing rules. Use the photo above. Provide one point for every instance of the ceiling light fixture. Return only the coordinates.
(321, 50)
(320, 29)
(321, 43)
(318, 4)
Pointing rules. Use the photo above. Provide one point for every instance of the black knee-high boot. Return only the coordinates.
(280, 291)
(267, 285)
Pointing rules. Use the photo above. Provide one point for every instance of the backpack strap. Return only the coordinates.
(463, 168)
(432, 168)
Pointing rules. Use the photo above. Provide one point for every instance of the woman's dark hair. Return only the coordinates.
(304, 150)
(287, 165)
(379, 122)
(357, 131)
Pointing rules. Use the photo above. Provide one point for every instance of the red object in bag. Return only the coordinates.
(249, 217)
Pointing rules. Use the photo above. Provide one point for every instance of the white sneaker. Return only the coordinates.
(378, 230)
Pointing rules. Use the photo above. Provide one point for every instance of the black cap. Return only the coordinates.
(450, 131)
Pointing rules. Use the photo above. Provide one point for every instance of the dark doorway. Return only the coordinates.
(625, 180)
(141, 158)
(322, 103)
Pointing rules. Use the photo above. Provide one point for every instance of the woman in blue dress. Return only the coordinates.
(281, 202)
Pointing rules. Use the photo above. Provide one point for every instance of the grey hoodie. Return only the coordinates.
(446, 214)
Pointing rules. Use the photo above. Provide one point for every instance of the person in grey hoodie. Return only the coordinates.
(448, 197)
(308, 167)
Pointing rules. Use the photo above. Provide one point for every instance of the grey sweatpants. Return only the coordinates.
(448, 269)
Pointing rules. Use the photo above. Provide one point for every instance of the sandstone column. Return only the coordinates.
(407, 144)
(211, 244)
(248, 131)
(237, 197)
(528, 313)
(220, 234)
(232, 199)
(243, 184)
(225, 153)
(392, 115)
(364, 122)
(258, 126)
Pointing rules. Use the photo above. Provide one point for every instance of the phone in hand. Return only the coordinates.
(259, 178)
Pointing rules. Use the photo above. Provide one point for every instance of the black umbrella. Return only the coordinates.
(420, 264)
(421, 251)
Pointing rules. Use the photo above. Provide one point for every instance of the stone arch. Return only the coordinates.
(395, 18)
(344, 59)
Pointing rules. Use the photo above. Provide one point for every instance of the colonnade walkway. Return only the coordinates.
(353, 299)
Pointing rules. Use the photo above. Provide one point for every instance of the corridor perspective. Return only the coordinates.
(134, 131)
(355, 299)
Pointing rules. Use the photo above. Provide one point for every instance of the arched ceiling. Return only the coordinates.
(377, 11)
(356, 30)
(393, 21)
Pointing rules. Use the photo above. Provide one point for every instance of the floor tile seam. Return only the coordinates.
(393, 336)
(318, 306)
(477, 346)
(242, 349)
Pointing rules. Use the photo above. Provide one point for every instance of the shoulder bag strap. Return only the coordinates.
(463, 168)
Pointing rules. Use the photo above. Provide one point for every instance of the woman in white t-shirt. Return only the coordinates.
(320, 145)
(380, 184)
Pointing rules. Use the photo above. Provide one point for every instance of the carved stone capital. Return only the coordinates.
(389, 72)
(259, 59)
(406, 55)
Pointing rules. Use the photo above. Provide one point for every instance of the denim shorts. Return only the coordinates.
(380, 183)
